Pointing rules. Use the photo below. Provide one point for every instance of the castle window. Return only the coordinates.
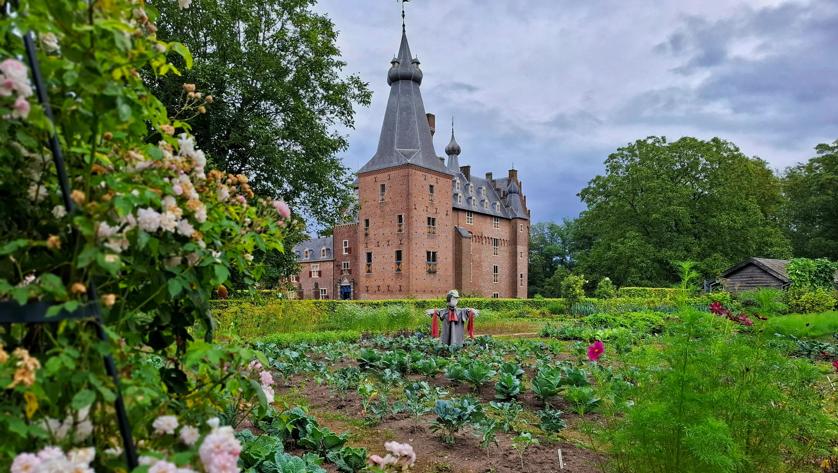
(398, 261)
(457, 185)
(521, 279)
(323, 252)
(324, 294)
(520, 227)
(471, 189)
(483, 192)
(344, 266)
(497, 206)
(495, 295)
(470, 217)
(430, 257)
(495, 246)
(460, 199)
(431, 225)
(315, 271)
(306, 254)
(431, 191)
(346, 247)
(382, 191)
(496, 222)
(399, 223)
(495, 273)
(366, 227)
(369, 262)
(485, 204)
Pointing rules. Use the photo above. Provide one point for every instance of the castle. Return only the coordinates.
(424, 226)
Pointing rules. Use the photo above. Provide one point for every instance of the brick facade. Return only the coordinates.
(423, 227)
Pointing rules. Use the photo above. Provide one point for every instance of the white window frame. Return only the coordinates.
(521, 279)
(346, 247)
(457, 185)
(344, 265)
(323, 252)
(315, 270)
(495, 246)
(495, 274)
(495, 295)
(470, 217)
(521, 227)
(382, 192)
(306, 254)
(460, 199)
(324, 293)
(496, 222)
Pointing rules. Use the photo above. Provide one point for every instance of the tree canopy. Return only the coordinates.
(812, 207)
(279, 96)
(660, 202)
(550, 257)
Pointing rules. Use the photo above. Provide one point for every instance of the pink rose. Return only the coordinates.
(282, 208)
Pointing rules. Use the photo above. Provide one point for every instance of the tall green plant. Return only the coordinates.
(715, 401)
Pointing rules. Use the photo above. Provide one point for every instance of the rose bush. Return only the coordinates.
(151, 232)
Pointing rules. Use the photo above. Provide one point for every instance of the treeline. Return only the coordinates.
(702, 201)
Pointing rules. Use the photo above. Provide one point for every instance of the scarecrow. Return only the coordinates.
(455, 322)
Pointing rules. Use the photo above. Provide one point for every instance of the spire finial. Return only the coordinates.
(403, 2)
(452, 125)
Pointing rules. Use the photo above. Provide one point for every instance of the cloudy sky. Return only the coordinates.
(554, 86)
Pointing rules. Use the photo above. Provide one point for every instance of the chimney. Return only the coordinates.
(466, 170)
(513, 174)
(489, 177)
(431, 122)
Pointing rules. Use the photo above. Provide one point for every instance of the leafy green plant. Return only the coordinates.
(369, 359)
(573, 289)
(546, 383)
(508, 413)
(511, 368)
(321, 439)
(455, 372)
(688, 275)
(805, 301)
(452, 416)
(521, 443)
(417, 397)
(478, 373)
(551, 420)
(583, 398)
(765, 301)
(605, 289)
(574, 376)
(430, 366)
(709, 403)
(487, 430)
(507, 387)
(348, 459)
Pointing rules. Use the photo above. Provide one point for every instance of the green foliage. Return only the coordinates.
(812, 204)
(455, 372)
(814, 325)
(605, 289)
(765, 301)
(708, 403)
(550, 260)
(661, 201)
(551, 420)
(452, 416)
(507, 387)
(808, 274)
(507, 412)
(546, 383)
(348, 459)
(582, 398)
(478, 373)
(320, 439)
(573, 289)
(688, 277)
(804, 301)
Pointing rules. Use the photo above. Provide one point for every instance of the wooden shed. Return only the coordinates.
(756, 273)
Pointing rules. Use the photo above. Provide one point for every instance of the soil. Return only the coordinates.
(342, 412)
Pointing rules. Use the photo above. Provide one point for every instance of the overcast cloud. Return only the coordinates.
(554, 86)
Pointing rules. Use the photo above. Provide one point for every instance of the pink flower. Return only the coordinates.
(165, 425)
(282, 208)
(163, 467)
(266, 378)
(21, 108)
(835, 365)
(189, 435)
(220, 451)
(14, 77)
(595, 350)
(25, 463)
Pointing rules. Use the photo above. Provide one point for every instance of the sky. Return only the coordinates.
(553, 86)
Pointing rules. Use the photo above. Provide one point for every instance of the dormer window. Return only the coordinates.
(485, 204)
(460, 199)
(497, 206)
(483, 192)
(471, 189)
(322, 252)
(457, 185)
(307, 254)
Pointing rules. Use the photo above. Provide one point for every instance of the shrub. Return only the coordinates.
(806, 273)
(804, 301)
(605, 289)
(685, 418)
(573, 289)
(765, 301)
(804, 325)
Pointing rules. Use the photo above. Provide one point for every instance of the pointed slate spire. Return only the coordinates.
(405, 134)
(453, 151)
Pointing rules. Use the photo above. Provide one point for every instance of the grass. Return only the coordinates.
(817, 325)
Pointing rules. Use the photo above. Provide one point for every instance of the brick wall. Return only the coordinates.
(311, 283)
(481, 260)
(349, 233)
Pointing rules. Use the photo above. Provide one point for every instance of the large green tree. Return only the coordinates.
(551, 245)
(812, 206)
(280, 99)
(660, 202)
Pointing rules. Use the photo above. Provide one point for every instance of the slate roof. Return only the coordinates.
(314, 246)
(405, 133)
(775, 267)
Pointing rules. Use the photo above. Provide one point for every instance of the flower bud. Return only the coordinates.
(78, 288)
(108, 300)
(54, 242)
(78, 197)
(189, 87)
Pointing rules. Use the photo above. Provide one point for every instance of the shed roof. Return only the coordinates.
(774, 267)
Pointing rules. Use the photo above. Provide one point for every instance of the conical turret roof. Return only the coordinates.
(405, 134)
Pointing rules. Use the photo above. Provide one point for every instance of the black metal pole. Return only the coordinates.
(110, 367)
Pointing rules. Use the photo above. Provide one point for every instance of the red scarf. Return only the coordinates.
(435, 325)
(470, 326)
(452, 317)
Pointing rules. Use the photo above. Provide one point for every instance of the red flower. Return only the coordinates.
(835, 364)
(595, 350)
(717, 308)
